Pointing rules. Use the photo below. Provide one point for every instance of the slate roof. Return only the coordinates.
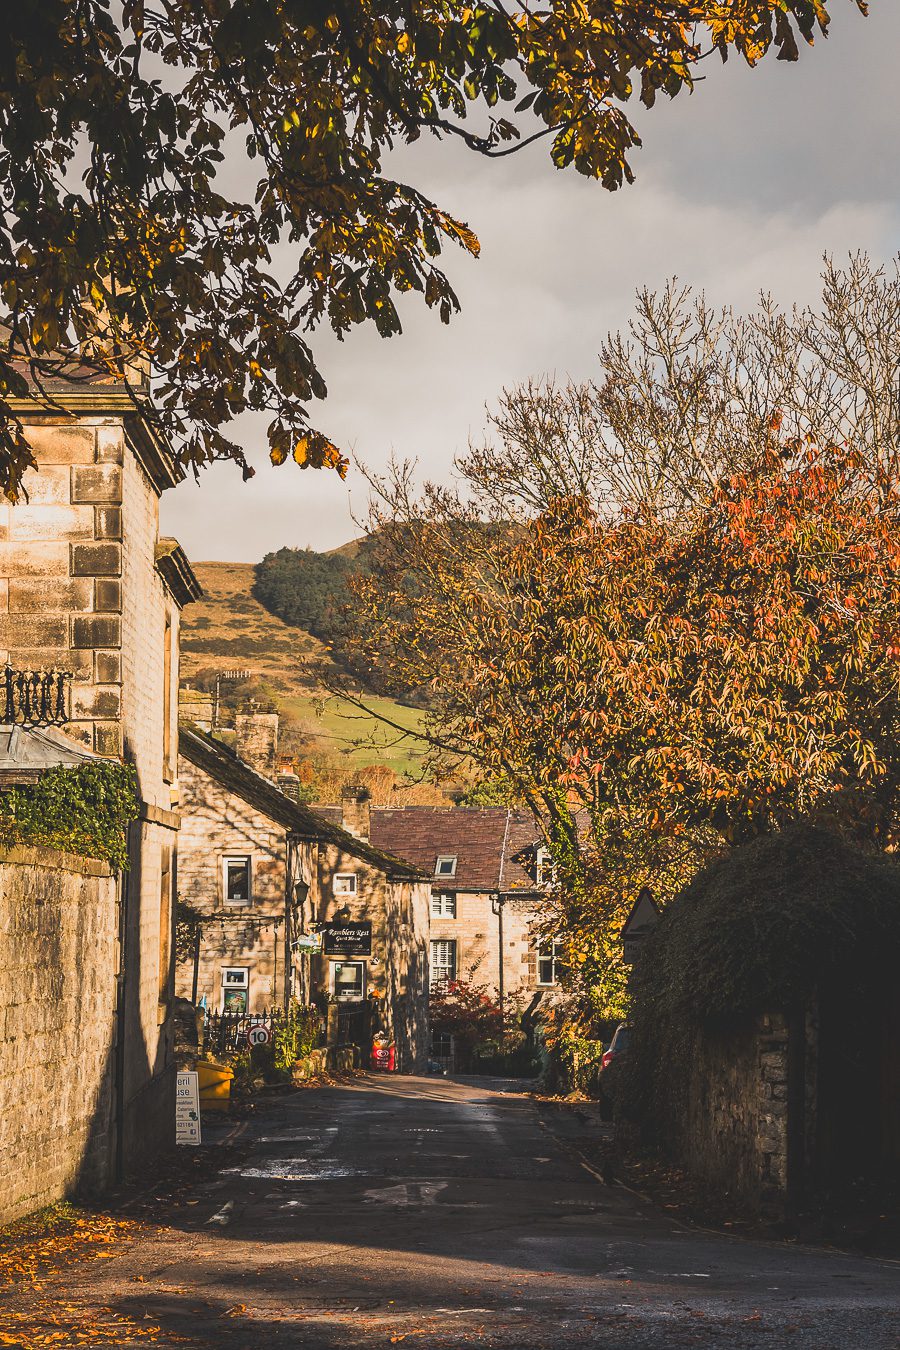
(25, 752)
(222, 764)
(495, 849)
(176, 571)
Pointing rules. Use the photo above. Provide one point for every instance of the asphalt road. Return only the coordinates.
(431, 1214)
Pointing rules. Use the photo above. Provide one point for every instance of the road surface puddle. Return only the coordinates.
(293, 1169)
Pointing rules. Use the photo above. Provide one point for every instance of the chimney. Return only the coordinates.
(355, 811)
(256, 740)
(289, 783)
(195, 706)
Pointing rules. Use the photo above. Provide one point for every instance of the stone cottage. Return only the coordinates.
(490, 873)
(88, 587)
(263, 879)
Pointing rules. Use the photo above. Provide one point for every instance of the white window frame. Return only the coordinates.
(337, 883)
(548, 950)
(450, 858)
(443, 905)
(242, 983)
(544, 867)
(349, 998)
(247, 859)
(439, 981)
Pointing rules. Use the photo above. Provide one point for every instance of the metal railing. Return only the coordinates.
(226, 1032)
(34, 697)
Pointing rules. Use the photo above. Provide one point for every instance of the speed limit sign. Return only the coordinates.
(258, 1035)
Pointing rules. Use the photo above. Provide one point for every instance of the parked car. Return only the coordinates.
(617, 1046)
(610, 1069)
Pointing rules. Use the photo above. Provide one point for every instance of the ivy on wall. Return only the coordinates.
(86, 810)
(757, 932)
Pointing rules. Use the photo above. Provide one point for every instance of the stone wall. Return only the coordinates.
(216, 824)
(397, 971)
(735, 1128)
(79, 591)
(256, 741)
(61, 568)
(475, 930)
(58, 945)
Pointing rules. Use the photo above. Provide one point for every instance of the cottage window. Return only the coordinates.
(443, 906)
(236, 880)
(344, 883)
(235, 977)
(349, 981)
(443, 962)
(445, 866)
(545, 867)
(547, 963)
(165, 923)
(235, 985)
(170, 725)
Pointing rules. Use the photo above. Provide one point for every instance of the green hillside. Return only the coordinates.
(229, 630)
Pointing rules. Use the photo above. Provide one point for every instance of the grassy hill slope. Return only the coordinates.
(228, 630)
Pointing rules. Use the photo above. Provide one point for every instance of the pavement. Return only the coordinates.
(435, 1214)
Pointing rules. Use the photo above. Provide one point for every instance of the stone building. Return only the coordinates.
(88, 587)
(259, 873)
(489, 874)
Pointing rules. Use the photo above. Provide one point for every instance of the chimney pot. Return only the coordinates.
(355, 814)
(256, 741)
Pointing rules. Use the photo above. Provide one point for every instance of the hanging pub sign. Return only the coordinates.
(347, 939)
(308, 942)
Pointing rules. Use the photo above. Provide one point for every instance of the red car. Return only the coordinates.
(617, 1046)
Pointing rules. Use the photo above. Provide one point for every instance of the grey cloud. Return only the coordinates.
(741, 187)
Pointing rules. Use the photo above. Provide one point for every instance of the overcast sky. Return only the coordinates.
(741, 186)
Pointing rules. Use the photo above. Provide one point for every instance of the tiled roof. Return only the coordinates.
(478, 837)
(220, 762)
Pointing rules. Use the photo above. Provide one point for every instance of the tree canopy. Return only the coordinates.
(121, 242)
(700, 651)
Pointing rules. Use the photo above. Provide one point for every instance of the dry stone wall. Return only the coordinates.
(735, 1128)
(58, 958)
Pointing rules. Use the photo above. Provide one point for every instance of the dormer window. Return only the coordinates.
(545, 867)
(445, 866)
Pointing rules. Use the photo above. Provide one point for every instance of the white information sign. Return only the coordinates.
(187, 1109)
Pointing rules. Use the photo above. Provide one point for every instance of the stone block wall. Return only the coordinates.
(58, 945)
(475, 930)
(61, 568)
(735, 1130)
(397, 971)
(217, 824)
(79, 591)
(256, 741)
